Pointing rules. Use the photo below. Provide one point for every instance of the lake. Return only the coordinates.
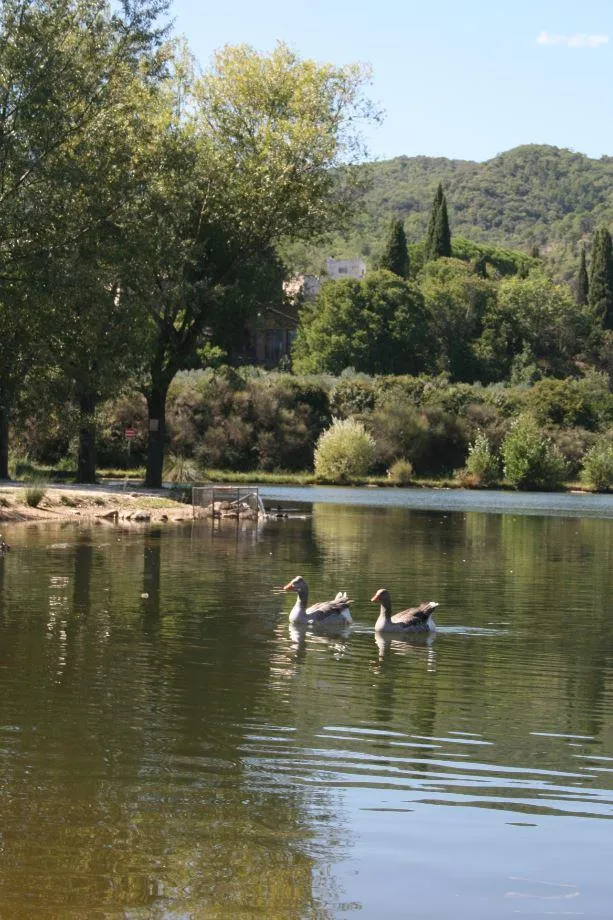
(171, 749)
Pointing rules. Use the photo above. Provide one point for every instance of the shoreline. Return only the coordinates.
(91, 503)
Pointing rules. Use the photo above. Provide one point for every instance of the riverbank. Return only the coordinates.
(23, 502)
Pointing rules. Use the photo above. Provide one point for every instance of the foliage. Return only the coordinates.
(395, 257)
(457, 301)
(438, 237)
(598, 465)
(530, 195)
(257, 152)
(180, 469)
(401, 472)
(482, 463)
(377, 325)
(34, 495)
(600, 297)
(532, 318)
(343, 451)
(530, 460)
(583, 283)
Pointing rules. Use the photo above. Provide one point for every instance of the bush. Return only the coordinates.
(34, 495)
(400, 472)
(344, 451)
(530, 460)
(482, 463)
(598, 466)
(178, 468)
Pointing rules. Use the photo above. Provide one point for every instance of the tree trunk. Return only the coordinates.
(86, 462)
(156, 403)
(4, 442)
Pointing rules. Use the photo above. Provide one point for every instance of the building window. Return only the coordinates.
(342, 271)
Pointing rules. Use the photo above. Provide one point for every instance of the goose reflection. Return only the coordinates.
(417, 644)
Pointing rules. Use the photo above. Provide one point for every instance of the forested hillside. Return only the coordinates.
(530, 196)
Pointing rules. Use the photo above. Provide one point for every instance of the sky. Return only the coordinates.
(464, 79)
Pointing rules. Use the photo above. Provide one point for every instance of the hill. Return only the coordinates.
(530, 196)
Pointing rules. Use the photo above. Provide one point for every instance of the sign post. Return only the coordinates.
(128, 434)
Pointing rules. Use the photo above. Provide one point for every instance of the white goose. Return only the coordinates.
(325, 613)
(414, 619)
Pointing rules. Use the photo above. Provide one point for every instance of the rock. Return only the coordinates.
(141, 517)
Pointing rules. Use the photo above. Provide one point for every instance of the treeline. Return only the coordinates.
(142, 203)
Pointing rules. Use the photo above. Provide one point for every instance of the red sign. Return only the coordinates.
(129, 433)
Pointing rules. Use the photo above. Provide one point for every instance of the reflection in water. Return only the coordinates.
(172, 747)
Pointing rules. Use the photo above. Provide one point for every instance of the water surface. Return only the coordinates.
(171, 749)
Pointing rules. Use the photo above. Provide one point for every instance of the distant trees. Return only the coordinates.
(396, 255)
(600, 297)
(438, 237)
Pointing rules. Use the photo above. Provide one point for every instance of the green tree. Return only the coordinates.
(530, 460)
(378, 326)
(68, 72)
(457, 300)
(438, 238)
(396, 256)
(257, 152)
(532, 321)
(583, 284)
(600, 297)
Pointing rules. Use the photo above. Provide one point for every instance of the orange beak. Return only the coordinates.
(374, 598)
(289, 587)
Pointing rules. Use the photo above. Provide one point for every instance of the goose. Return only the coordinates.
(415, 619)
(326, 613)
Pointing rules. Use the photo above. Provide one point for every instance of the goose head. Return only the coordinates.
(383, 597)
(299, 585)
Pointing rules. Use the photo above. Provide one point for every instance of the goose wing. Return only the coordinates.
(321, 611)
(415, 616)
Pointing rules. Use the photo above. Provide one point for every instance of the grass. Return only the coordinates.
(34, 494)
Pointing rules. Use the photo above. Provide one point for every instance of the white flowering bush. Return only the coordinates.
(345, 450)
(482, 463)
(598, 466)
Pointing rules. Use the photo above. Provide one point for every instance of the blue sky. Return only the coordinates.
(457, 78)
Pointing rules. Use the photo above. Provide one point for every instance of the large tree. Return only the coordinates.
(256, 153)
(378, 326)
(600, 296)
(68, 70)
(395, 257)
(457, 299)
(532, 322)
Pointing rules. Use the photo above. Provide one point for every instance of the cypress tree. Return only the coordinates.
(442, 234)
(438, 238)
(600, 296)
(396, 256)
(583, 284)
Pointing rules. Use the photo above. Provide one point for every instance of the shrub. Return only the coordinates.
(433, 441)
(180, 469)
(530, 460)
(598, 466)
(400, 472)
(352, 396)
(482, 463)
(34, 495)
(344, 451)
